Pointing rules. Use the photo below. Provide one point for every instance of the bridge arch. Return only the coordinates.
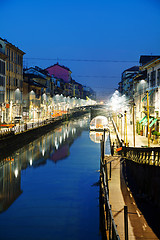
(98, 111)
(99, 123)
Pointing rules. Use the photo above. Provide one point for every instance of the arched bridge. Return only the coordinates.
(99, 110)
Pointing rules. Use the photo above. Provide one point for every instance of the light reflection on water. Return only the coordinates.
(46, 188)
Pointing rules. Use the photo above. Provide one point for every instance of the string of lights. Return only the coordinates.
(90, 76)
(81, 60)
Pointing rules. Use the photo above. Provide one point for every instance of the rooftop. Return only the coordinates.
(11, 45)
(57, 64)
(144, 59)
(132, 69)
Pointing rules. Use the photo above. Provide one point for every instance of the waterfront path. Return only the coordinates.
(139, 140)
(119, 196)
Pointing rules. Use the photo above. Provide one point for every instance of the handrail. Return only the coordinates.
(110, 226)
(20, 128)
(149, 156)
(111, 222)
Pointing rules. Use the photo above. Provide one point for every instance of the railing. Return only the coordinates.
(150, 156)
(109, 224)
(19, 128)
(6, 132)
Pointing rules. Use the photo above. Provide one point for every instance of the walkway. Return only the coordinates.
(120, 195)
(139, 140)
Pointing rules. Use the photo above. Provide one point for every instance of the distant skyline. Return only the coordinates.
(97, 40)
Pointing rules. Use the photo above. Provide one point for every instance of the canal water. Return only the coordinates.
(49, 189)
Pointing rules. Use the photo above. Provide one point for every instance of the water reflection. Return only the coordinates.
(53, 146)
(96, 136)
(10, 183)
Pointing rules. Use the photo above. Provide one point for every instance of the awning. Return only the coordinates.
(150, 125)
(143, 119)
(145, 97)
(145, 122)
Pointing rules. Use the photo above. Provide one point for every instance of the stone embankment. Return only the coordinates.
(14, 141)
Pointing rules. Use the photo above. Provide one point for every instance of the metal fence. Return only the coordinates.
(150, 156)
(19, 128)
(109, 224)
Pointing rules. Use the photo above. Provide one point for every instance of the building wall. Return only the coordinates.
(2, 71)
(153, 80)
(14, 71)
(2, 80)
(59, 72)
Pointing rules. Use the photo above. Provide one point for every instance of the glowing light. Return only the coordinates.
(56, 146)
(43, 152)
(117, 102)
(142, 81)
(17, 90)
(16, 173)
(30, 162)
(64, 135)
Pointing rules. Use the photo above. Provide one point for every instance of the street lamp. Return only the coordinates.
(133, 124)
(125, 128)
(148, 119)
(18, 100)
(143, 82)
(31, 104)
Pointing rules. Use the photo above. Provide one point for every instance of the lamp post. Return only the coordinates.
(125, 123)
(133, 125)
(148, 119)
(18, 101)
(32, 104)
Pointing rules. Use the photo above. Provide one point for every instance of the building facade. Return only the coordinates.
(127, 81)
(3, 58)
(13, 79)
(60, 72)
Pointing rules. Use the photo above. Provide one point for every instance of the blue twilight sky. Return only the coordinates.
(97, 40)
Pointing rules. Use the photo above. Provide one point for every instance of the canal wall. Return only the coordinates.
(144, 181)
(13, 142)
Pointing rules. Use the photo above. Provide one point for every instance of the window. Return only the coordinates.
(9, 54)
(12, 56)
(148, 79)
(158, 77)
(2, 97)
(2, 67)
(153, 78)
(2, 81)
(15, 57)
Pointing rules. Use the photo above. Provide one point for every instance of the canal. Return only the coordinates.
(49, 189)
